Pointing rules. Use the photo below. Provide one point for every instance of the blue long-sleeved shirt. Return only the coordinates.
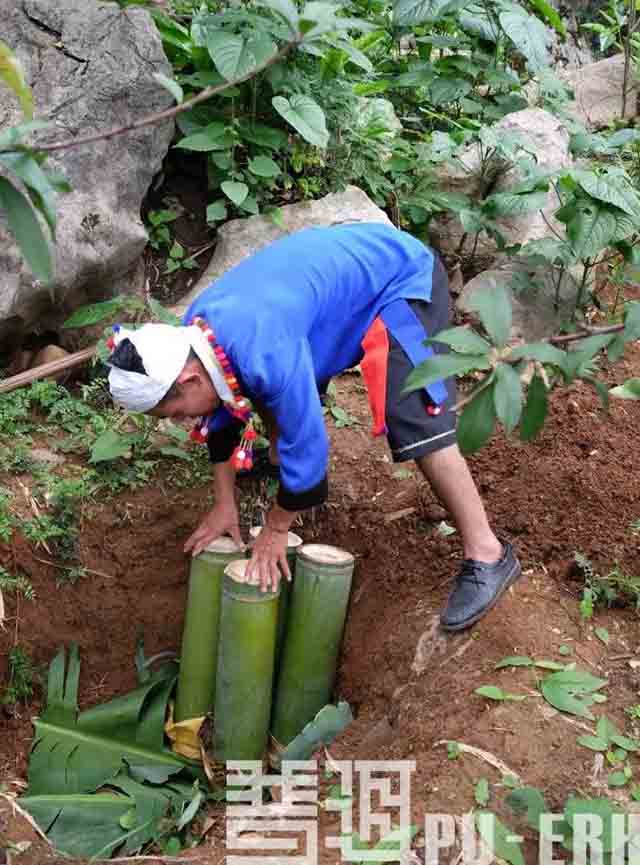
(294, 315)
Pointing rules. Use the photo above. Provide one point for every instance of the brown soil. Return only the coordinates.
(572, 489)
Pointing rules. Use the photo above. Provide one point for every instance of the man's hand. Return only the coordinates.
(269, 559)
(222, 520)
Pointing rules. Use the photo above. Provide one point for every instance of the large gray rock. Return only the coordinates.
(597, 90)
(91, 68)
(539, 310)
(240, 238)
(547, 140)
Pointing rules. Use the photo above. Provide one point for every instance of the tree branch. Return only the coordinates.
(159, 117)
(583, 334)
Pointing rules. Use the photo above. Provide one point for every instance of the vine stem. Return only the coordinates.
(170, 113)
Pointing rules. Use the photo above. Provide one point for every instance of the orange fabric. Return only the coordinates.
(374, 371)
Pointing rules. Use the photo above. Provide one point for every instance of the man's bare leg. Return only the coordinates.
(448, 473)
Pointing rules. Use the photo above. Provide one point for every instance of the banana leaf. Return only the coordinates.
(79, 753)
(97, 825)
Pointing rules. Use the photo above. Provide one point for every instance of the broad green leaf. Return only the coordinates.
(507, 396)
(514, 661)
(305, 116)
(493, 305)
(611, 188)
(549, 665)
(615, 349)
(498, 838)
(38, 183)
(594, 743)
(603, 808)
(286, 9)
(462, 340)
(234, 56)
(606, 729)
(481, 792)
(535, 409)
(571, 691)
(13, 76)
(542, 351)
(546, 11)
(442, 366)
(110, 445)
(250, 205)
(12, 136)
(263, 135)
(529, 801)
(632, 321)
(173, 451)
(264, 166)
(216, 211)
(528, 34)
(617, 779)
(25, 227)
(625, 742)
(492, 692)
(445, 90)
(629, 390)
(477, 421)
(507, 204)
(171, 85)
(162, 314)
(603, 635)
(212, 137)
(327, 724)
(410, 12)
(591, 229)
(236, 192)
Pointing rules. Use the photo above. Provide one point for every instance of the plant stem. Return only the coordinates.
(170, 113)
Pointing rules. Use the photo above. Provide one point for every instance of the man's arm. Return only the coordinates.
(223, 518)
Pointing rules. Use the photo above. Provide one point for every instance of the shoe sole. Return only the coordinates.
(513, 576)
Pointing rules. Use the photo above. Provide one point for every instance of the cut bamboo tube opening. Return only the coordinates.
(195, 693)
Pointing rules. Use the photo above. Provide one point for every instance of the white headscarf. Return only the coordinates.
(164, 350)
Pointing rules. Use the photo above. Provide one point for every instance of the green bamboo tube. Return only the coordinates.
(248, 626)
(316, 619)
(196, 688)
(293, 543)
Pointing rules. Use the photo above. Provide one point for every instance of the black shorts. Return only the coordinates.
(413, 432)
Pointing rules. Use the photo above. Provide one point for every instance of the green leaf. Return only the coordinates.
(493, 305)
(549, 665)
(445, 90)
(594, 743)
(571, 691)
(262, 135)
(611, 188)
(305, 116)
(406, 13)
(535, 409)
(542, 351)
(236, 192)
(171, 85)
(481, 792)
(603, 635)
(13, 76)
(529, 801)
(95, 313)
(617, 779)
(26, 229)
(629, 390)
(546, 11)
(528, 34)
(327, 724)
(250, 205)
(615, 349)
(264, 166)
(453, 750)
(508, 204)
(110, 445)
(625, 742)
(216, 211)
(286, 9)
(492, 692)
(632, 321)
(591, 229)
(173, 451)
(477, 421)
(498, 838)
(442, 366)
(80, 754)
(163, 315)
(514, 661)
(235, 56)
(602, 808)
(463, 340)
(507, 396)
(212, 137)
(39, 184)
